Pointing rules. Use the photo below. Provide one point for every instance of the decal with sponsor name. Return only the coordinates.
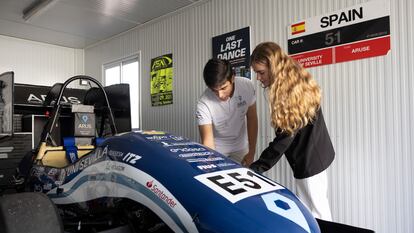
(197, 160)
(115, 153)
(196, 154)
(207, 166)
(163, 195)
(226, 164)
(85, 162)
(213, 166)
(169, 144)
(188, 149)
(131, 158)
(157, 138)
(35, 95)
(114, 166)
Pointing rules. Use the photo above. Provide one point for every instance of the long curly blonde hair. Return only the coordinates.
(294, 96)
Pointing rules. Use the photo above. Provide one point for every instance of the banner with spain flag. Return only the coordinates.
(357, 32)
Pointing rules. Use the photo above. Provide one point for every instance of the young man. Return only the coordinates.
(226, 113)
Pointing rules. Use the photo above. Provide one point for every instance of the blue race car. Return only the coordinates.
(149, 181)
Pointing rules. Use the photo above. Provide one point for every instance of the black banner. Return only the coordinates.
(35, 95)
(234, 47)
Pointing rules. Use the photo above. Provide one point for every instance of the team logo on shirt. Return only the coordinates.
(241, 102)
(198, 115)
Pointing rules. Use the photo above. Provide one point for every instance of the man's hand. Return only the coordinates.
(247, 159)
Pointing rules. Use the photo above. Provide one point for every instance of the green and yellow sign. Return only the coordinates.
(162, 80)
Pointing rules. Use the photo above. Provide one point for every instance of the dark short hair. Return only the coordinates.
(216, 72)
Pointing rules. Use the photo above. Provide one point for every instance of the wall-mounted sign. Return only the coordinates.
(234, 47)
(162, 80)
(353, 33)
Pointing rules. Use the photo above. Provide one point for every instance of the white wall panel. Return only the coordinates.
(39, 63)
(368, 104)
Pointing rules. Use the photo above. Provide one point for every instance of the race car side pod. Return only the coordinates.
(333, 227)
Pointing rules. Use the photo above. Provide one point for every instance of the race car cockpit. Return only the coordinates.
(83, 137)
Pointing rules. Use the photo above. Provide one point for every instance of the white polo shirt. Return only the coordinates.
(228, 117)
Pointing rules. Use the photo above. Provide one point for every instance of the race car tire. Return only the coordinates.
(28, 213)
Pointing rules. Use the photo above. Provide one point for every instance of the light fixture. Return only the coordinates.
(36, 8)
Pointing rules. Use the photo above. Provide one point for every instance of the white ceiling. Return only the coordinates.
(80, 23)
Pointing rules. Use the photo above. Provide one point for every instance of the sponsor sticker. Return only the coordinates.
(157, 138)
(187, 149)
(197, 160)
(225, 164)
(168, 144)
(131, 158)
(163, 195)
(206, 166)
(177, 138)
(188, 155)
(84, 163)
(115, 153)
(113, 166)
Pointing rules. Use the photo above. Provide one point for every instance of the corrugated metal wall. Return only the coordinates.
(39, 63)
(368, 104)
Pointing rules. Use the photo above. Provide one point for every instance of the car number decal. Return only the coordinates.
(237, 184)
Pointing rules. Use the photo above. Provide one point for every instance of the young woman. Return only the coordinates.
(296, 115)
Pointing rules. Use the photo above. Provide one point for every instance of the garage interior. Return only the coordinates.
(368, 104)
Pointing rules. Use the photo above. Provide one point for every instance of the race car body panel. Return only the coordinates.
(190, 187)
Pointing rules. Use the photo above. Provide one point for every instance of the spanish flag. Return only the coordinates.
(298, 28)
